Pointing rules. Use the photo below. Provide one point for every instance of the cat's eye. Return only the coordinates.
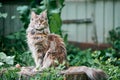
(41, 21)
(44, 23)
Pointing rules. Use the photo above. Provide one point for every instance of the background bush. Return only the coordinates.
(15, 45)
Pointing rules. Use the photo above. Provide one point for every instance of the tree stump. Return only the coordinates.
(72, 73)
(76, 76)
(26, 73)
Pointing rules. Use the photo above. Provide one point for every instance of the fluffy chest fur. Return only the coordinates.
(37, 43)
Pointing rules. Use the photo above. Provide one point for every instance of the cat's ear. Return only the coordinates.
(33, 15)
(44, 14)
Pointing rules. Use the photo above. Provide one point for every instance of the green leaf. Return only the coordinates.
(13, 17)
(9, 60)
(4, 15)
(2, 55)
(1, 63)
(55, 11)
(10, 37)
(6, 59)
(42, 7)
(55, 23)
(22, 9)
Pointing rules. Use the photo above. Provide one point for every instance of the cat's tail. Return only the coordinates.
(92, 74)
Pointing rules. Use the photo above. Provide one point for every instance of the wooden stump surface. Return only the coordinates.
(28, 72)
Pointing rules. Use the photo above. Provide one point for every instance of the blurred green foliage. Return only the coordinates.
(4, 59)
(53, 8)
(15, 45)
(114, 39)
(100, 59)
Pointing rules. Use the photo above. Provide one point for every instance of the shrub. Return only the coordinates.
(114, 39)
(108, 60)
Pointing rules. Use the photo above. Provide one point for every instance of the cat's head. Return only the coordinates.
(40, 21)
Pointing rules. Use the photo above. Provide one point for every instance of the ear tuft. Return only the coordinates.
(33, 14)
(44, 14)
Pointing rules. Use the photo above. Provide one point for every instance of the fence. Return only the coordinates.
(9, 24)
(83, 20)
(90, 20)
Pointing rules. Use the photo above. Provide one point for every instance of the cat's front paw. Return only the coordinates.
(35, 70)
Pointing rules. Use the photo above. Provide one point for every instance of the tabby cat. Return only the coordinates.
(46, 48)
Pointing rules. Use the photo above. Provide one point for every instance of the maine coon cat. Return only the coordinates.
(45, 47)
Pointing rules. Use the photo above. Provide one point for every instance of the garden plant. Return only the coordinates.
(18, 53)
